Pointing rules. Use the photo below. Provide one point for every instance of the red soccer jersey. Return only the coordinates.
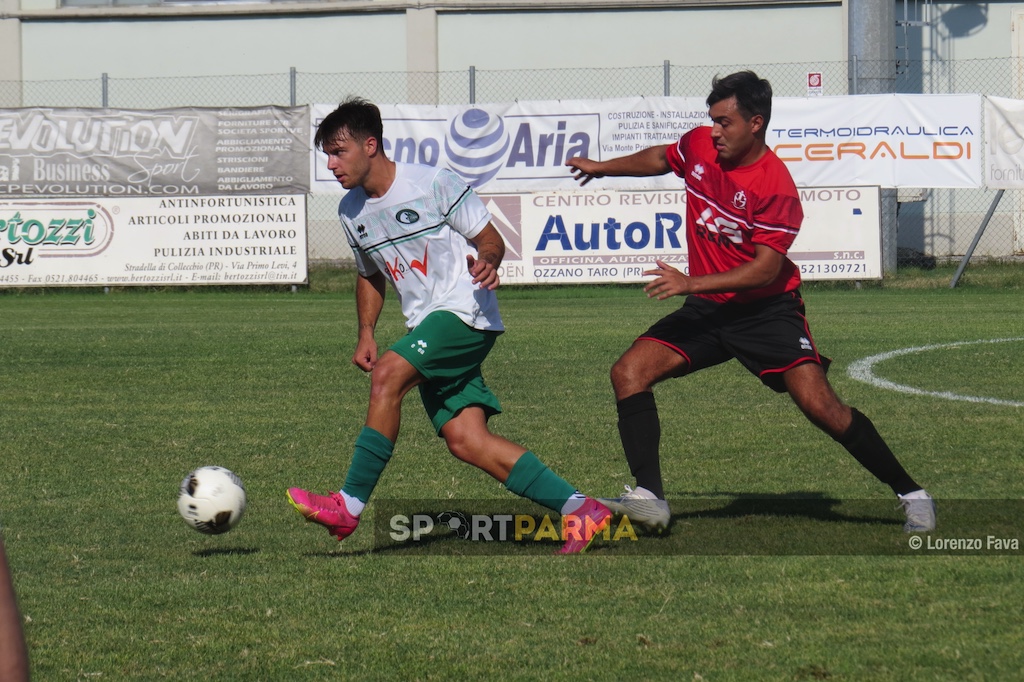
(728, 212)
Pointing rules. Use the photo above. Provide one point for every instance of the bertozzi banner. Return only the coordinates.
(104, 241)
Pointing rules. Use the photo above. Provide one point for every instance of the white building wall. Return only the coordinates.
(243, 42)
(215, 46)
(969, 30)
(606, 39)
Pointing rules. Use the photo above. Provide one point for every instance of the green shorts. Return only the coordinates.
(448, 353)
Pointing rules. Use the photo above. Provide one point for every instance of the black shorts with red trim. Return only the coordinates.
(767, 336)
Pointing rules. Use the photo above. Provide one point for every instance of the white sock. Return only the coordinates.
(353, 504)
(574, 502)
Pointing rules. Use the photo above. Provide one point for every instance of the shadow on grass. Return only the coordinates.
(711, 523)
(716, 523)
(225, 551)
(814, 506)
(421, 544)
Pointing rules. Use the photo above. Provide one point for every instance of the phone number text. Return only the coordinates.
(833, 268)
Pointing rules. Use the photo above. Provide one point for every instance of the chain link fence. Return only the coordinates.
(926, 225)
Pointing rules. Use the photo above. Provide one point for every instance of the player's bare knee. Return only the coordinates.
(389, 381)
(461, 448)
(382, 386)
(383, 372)
(624, 376)
(456, 437)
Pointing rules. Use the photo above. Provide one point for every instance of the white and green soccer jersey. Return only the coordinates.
(418, 235)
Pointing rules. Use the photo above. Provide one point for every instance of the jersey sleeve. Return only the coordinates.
(777, 222)
(463, 209)
(675, 154)
(364, 264)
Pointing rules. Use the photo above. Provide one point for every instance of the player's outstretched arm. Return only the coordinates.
(490, 250)
(760, 272)
(644, 163)
(13, 654)
(369, 302)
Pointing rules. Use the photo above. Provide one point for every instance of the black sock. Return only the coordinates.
(863, 441)
(640, 431)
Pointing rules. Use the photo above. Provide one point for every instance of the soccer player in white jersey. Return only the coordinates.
(425, 231)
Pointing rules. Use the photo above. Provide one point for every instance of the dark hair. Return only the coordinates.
(359, 117)
(753, 94)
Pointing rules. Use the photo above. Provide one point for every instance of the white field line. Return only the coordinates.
(862, 370)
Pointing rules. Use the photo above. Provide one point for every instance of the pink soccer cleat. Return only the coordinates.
(327, 510)
(581, 527)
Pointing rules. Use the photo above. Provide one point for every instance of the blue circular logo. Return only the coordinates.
(476, 145)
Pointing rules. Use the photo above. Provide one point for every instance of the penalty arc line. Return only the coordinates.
(863, 370)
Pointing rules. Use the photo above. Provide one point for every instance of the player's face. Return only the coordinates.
(349, 159)
(735, 138)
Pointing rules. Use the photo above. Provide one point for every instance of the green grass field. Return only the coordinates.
(110, 399)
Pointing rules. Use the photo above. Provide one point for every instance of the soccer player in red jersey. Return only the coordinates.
(742, 297)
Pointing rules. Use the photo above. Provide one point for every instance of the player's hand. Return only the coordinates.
(483, 273)
(584, 170)
(365, 356)
(667, 282)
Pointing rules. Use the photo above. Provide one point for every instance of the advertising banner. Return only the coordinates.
(523, 146)
(607, 237)
(153, 241)
(887, 140)
(47, 152)
(893, 141)
(1004, 141)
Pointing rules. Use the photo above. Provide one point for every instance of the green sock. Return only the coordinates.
(531, 478)
(372, 452)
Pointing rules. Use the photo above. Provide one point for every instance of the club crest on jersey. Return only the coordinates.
(739, 200)
(407, 216)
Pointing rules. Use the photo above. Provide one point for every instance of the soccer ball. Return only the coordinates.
(212, 500)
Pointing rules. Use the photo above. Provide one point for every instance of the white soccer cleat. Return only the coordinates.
(641, 506)
(920, 510)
